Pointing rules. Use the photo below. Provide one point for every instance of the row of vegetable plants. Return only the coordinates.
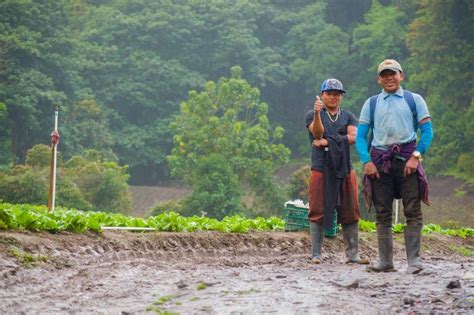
(38, 218)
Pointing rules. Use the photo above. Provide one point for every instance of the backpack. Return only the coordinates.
(408, 96)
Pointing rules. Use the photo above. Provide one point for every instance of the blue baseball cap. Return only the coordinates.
(332, 85)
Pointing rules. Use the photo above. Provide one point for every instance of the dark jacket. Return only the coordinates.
(337, 167)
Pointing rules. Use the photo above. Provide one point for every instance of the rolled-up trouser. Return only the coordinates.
(348, 213)
(383, 194)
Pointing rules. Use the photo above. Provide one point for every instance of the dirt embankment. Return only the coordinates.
(222, 273)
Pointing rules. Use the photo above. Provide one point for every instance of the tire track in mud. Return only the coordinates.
(211, 248)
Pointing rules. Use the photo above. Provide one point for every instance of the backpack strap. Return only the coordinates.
(372, 103)
(408, 96)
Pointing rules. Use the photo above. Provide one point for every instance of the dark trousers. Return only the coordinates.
(384, 191)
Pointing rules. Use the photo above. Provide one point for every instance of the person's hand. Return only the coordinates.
(371, 170)
(320, 143)
(318, 104)
(410, 166)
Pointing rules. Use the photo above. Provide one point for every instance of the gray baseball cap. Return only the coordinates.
(389, 64)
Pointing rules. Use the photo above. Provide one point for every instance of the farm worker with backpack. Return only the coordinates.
(333, 184)
(393, 168)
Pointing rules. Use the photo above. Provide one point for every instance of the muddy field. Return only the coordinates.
(218, 273)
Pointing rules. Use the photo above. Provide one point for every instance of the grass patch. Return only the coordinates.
(163, 299)
(464, 251)
(159, 311)
(245, 292)
(26, 259)
(201, 286)
(10, 241)
(194, 298)
(459, 192)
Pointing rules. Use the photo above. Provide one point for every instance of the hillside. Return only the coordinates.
(452, 202)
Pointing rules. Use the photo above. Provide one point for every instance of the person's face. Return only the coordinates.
(390, 80)
(332, 99)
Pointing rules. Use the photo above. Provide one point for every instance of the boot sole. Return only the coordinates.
(315, 261)
(359, 262)
(380, 270)
(414, 270)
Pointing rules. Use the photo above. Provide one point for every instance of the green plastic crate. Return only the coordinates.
(296, 219)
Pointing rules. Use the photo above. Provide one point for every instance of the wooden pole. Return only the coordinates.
(52, 172)
(397, 210)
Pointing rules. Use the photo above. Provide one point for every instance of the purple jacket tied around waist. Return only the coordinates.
(383, 160)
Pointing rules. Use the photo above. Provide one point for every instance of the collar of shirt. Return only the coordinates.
(398, 93)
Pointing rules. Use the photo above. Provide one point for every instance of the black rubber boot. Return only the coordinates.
(385, 243)
(350, 234)
(317, 237)
(412, 247)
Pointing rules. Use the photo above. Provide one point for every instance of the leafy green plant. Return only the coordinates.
(367, 226)
(398, 228)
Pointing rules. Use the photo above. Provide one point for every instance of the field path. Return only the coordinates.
(222, 273)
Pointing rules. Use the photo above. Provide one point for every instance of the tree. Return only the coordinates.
(227, 119)
(85, 126)
(6, 156)
(216, 190)
(35, 69)
(381, 37)
(441, 65)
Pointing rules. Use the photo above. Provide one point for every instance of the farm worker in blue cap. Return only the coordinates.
(393, 168)
(333, 184)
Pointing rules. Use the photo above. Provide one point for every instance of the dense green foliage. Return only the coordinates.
(121, 69)
(84, 182)
(37, 218)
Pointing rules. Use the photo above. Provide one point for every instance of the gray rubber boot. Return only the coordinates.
(385, 242)
(350, 234)
(412, 247)
(317, 237)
